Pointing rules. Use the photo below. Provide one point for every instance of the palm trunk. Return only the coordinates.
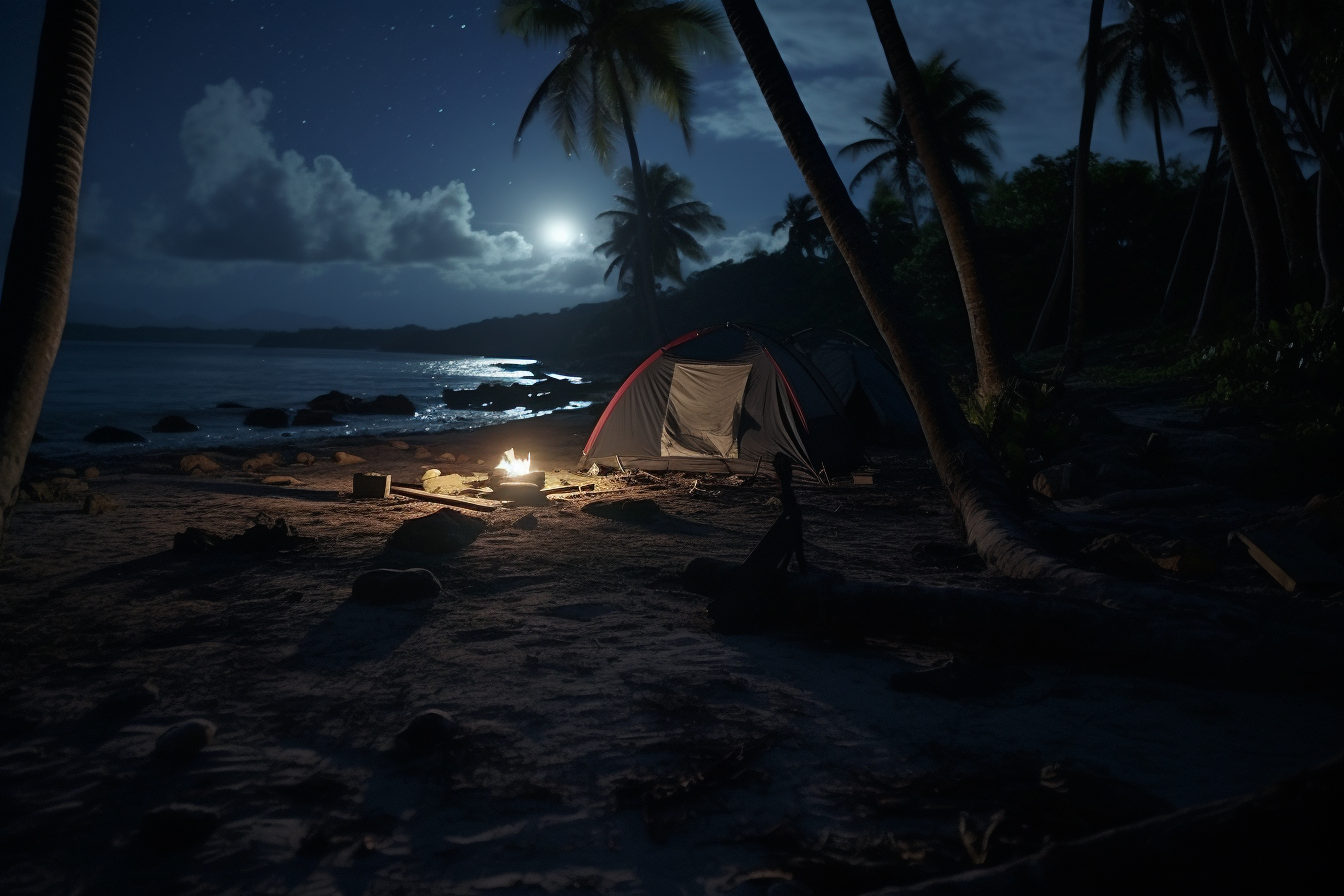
(977, 488)
(1329, 214)
(36, 288)
(1257, 198)
(1056, 290)
(644, 283)
(1161, 153)
(1215, 145)
(1285, 178)
(1073, 343)
(1215, 286)
(1326, 152)
(994, 365)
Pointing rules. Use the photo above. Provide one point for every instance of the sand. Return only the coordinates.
(609, 739)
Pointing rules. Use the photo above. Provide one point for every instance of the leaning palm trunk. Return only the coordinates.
(1285, 178)
(1056, 290)
(974, 482)
(1257, 198)
(1327, 152)
(993, 365)
(1215, 286)
(1329, 216)
(42, 249)
(1078, 300)
(1181, 253)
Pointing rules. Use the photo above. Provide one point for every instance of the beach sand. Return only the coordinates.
(608, 739)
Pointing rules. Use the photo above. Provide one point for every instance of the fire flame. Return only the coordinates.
(514, 466)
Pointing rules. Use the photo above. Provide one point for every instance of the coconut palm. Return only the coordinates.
(674, 221)
(993, 363)
(806, 229)
(1145, 58)
(618, 54)
(41, 256)
(959, 108)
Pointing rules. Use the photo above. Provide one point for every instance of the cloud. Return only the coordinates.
(738, 246)
(245, 202)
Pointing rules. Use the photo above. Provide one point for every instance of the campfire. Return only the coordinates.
(512, 467)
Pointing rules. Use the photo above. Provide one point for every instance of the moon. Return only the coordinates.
(559, 233)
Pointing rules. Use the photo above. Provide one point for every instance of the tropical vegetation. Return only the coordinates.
(674, 221)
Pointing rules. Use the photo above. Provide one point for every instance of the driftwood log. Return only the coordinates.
(1151, 632)
(1284, 839)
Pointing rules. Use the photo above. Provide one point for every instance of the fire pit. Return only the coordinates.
(517, 481)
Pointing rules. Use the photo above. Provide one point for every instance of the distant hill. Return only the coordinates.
(105, 333)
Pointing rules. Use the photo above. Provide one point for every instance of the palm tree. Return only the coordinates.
(674, 219)
(993, 364)
(1145, 56)
(975, 484)
(41, 256)
(807, 231)
(959, 108)
(1073, 342)
(1210, 170)
(618, 54)
(1248, 169)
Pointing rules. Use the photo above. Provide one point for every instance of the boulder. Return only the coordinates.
(280, 480)
(91, 473)
(126, 702)
(305, 458)
(526, 522)
(197, 463)
(177, 826)
(181, 742)
(431, 730)
(342, 457)
(269, 418)
(630, 510)
(194, 540)
(395, 405)
(447, 457)
(422, 453)
(333, 401)
(96, 505)
(264, 461)
(392, 586)
(400, 445)
(430, 474)
(111, 435)
(441, 532)
(308, 417)
(57, 489)
(174, 423)
(276, 535)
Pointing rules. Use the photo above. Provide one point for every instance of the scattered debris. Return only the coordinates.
(181, 742)
(400, 445)
(280, 480)
(632, 510)
(261, 462)
(264, 535)
(447, 457)
(442, 532)
(344, 458)
(55, 490)
(1115, 553)
(305, 458)
(1292, 558)
(391, 586)
(421, 452)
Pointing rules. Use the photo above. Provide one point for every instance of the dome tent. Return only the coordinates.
(725, 399)
(870, 391)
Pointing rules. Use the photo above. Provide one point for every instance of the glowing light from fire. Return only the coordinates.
(514, 466)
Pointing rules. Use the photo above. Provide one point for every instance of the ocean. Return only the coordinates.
(133, 385)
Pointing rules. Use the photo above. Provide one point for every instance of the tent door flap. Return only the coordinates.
(704, 407)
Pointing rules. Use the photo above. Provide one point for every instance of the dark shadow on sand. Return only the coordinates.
(358, 632)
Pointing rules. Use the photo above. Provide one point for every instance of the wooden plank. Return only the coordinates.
(451, 500)
(1291, 558)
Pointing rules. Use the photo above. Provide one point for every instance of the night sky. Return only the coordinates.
(312, 163)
